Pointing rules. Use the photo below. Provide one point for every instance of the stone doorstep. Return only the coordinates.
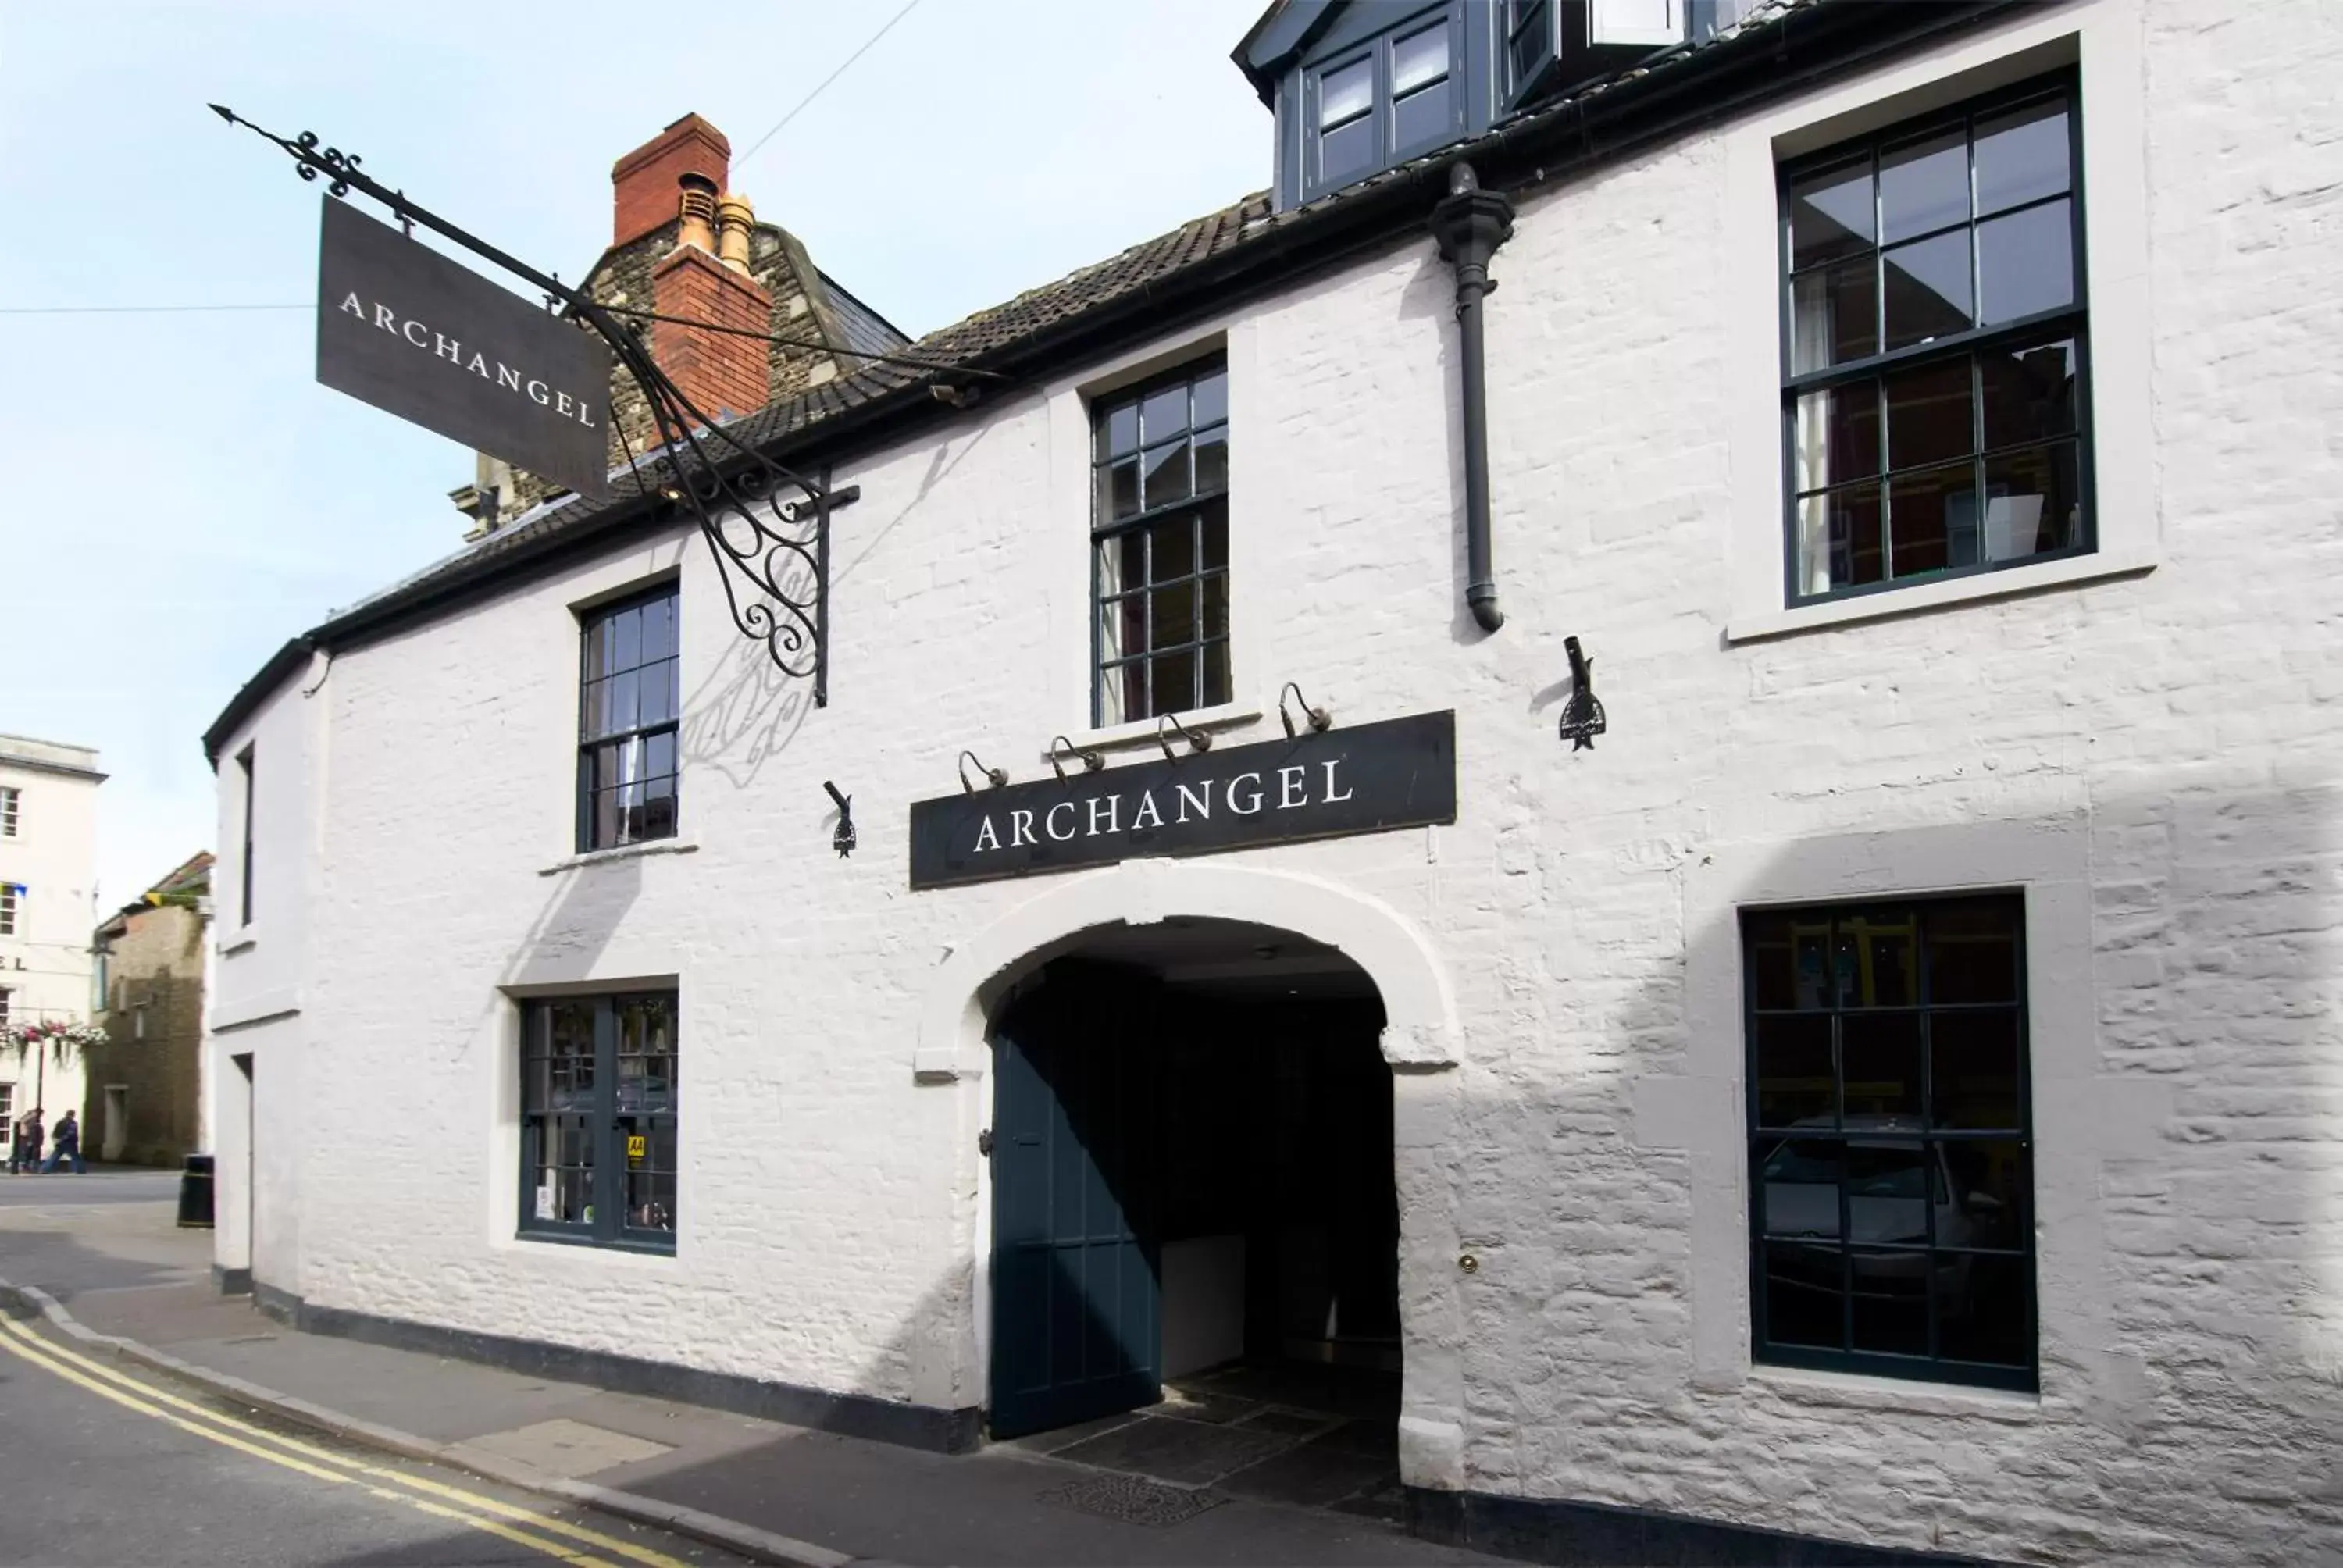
(757, 1545)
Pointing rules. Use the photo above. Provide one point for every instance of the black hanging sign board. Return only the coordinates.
(1399, 773)
(403, 328)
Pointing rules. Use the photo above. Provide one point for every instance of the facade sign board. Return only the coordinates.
(1399, 773)
(403, 328)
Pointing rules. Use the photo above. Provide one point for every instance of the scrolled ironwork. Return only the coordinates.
(776, 579)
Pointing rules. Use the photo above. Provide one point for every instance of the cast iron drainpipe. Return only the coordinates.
(1471, 224)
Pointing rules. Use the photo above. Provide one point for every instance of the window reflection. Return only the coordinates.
(1890, 1173)
(1935, 237)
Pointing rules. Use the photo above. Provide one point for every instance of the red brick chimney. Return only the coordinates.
(642, 183)
(680, 175)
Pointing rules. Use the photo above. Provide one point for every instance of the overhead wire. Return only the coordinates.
(822, 85)
(134, 309)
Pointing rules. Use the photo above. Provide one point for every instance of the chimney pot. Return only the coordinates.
(698, 208)
(734, 217)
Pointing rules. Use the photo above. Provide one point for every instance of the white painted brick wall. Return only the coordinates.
(2192, 1274)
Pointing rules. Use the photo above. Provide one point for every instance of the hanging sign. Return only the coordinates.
(1399, 773)
(403, 328)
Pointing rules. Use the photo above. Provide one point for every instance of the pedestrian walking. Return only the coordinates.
(67, 1145)
(28, 1146)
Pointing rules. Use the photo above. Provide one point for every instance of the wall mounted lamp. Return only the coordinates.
(1320, 720)
(1582, 716)
(994, 777)
(1197, 739)
(842, 840)
(1093, 760)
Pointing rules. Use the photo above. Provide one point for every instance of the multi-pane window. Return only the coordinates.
(1936, 370)
(8, 892)
(1160, 532)
(7, 1103)
(598, 1131)
(246, 777)
(1394, 98)
(627, 717)
(1890, 1159)
(9, 800)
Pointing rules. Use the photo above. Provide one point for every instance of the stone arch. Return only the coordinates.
(1420, 1032)
(1421, 1041)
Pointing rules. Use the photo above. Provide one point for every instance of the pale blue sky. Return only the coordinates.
(184, 496)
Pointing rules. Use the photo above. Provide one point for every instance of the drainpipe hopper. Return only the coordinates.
(1470, 225)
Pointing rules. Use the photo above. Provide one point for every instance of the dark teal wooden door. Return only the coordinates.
(1076, 1294)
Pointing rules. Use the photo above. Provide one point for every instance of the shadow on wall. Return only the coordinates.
(2184, 1082)
(585, 910)
(2187, 1079)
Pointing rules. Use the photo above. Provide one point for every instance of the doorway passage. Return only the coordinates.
(1195, 1221)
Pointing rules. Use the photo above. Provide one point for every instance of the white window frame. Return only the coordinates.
(11, 809)
(10, 905)
(2103, 41)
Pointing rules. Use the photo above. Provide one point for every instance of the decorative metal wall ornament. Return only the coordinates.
(1197, 739)
(1092, 759)
(1582, 716)
(775, 544)
(842, 840)
(994, 777)
(1320, 720)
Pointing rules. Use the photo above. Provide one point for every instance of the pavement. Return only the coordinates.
(100, 1261)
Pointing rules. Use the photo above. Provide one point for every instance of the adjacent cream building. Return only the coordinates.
(48, 893)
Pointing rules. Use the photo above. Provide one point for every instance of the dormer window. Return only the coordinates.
(1363, 85)
(1378, 103)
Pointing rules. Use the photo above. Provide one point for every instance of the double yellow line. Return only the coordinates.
(421, 1492)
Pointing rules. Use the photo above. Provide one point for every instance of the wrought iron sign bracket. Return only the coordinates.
(751, 510)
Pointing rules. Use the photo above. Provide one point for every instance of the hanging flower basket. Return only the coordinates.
(55, 1038)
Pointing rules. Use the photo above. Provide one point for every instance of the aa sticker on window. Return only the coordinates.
(634, 1148)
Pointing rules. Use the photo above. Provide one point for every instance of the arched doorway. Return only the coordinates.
(1194, 1207)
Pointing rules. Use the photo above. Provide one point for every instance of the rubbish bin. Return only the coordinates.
(196, 1193)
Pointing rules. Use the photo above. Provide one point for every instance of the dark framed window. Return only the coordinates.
(246, 776)
(1936, 355)
(1890, 1153)
(630, 702)
(8, 892)
(599, 1133)
(1383, 101)
(1159, 541)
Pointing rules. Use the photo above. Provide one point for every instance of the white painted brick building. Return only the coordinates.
(2139, 739)
(48, 889)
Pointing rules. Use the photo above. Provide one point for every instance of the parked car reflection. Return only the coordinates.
(1902, 1195)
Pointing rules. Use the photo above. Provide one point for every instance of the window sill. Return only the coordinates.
(596, 1244)
(1859, 1390)
(1921, 597)
(1142, 731)
(623, 852)
(244, 941)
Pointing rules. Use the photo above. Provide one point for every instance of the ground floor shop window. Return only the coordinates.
(1890, 1146)
(599, 1133)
